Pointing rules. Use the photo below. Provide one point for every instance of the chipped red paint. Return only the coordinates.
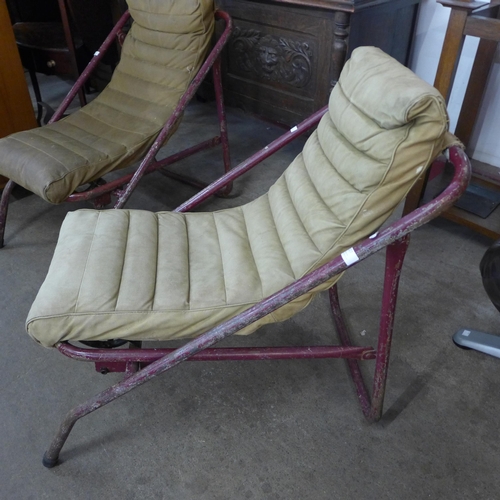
(148, 356)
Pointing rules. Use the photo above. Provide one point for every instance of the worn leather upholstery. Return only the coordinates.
(141, 275)
(163, 51)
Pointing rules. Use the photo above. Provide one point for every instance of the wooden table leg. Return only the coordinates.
(340, 34)
(450, 55)
(475, 90)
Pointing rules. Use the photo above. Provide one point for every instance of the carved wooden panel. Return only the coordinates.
(282, 60)
(275, 59)
(271, 58)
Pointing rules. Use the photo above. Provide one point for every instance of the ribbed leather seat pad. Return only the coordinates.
(140, 275)
(162, 53)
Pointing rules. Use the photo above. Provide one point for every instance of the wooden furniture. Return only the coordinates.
(48, 47)
(481, 20)
(61, 41)
(285, 55)
(16, 110)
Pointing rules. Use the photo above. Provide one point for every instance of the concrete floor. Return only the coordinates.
(260, 430)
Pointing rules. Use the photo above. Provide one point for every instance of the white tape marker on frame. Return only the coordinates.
(349, 256)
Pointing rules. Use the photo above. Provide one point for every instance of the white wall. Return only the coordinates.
(430, 31)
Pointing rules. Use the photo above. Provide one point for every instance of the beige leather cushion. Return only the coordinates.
(140, 275)
(162, 53)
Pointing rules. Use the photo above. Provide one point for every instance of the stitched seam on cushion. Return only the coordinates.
(158, 64)
(157, 14)
(74, 171)
(271, 314)
(86, 264)
(169, 15)
(200, 11)
(409, 107)
(38, 149)
(221, 258)
(71, 124)
(349, 99)
(118, 91)
(134, 117)
(336, 170)
(52, 131)
(319, 195)
(123, 262)
(157, 259)
(251, 251)
(351, 104)
(200, 39)
(341, 222)
(159, 311)
(140, 42)
(135, 77)
(312, 267)
(351, 149)
(279, 237)
(111, 125)
(298, 214)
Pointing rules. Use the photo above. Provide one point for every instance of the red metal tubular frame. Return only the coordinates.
(124, 186)
(395, 237)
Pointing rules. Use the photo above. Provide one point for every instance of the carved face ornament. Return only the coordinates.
(268, 54)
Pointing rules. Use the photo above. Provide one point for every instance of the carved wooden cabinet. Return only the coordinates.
(285, 55)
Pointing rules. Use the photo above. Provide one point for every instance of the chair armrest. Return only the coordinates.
(251, 162)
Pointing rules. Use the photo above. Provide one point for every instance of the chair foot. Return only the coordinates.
(45, 113)
(49, 462)
(225, 192)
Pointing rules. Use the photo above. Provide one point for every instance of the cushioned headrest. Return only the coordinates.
(390, 94)
(171, 16)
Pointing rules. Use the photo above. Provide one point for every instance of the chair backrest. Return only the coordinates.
(162, 52)
(167, 41)
(383, 128)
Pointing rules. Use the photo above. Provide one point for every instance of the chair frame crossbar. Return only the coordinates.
(100, 193)
(141, 365)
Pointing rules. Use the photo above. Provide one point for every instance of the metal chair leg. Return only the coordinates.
(221, 112)
(372, 406)
(51, 456)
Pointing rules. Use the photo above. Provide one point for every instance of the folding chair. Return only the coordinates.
(136, 275)
(162, 65)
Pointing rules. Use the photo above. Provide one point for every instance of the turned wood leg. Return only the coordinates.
(340, 40)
